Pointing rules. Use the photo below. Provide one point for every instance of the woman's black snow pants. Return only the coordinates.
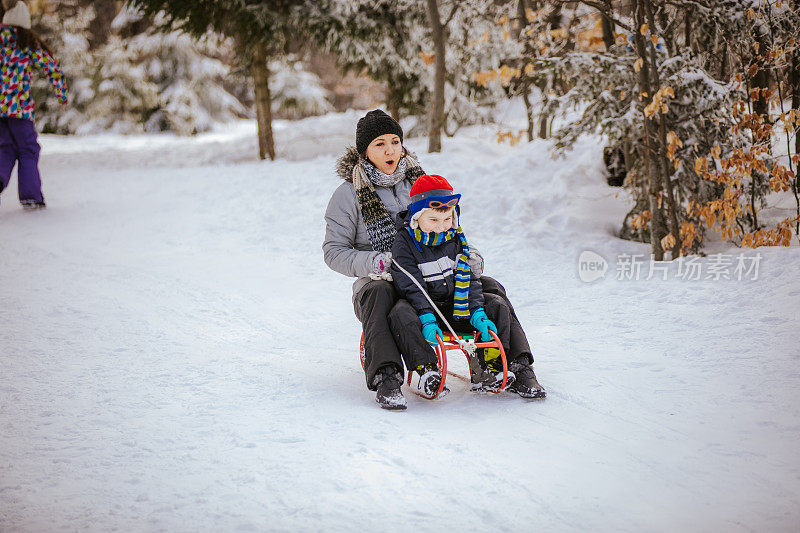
(377, 306)
(518, 346)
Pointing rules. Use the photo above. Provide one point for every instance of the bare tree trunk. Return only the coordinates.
(543, 120)
(522, 21)
(687, 27)
(723, 73)
(394, 109)
(554, 21)
(795, 82)
(266, 143)
(607, 26)
(794, 78)
(657, 227)
(437, 104)
(672, 208)
(526, 97)
(761, 79)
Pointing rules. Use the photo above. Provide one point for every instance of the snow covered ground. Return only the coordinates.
(175, 355)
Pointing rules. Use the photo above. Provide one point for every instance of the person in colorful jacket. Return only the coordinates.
(19, 49)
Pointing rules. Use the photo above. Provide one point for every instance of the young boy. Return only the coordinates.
(431, 246)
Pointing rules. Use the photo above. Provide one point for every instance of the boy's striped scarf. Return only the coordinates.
(462, 271)
(380, 226)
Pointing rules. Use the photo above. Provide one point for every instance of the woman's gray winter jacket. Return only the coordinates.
(347, 247)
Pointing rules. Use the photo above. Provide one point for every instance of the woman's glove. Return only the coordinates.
(481, 322)
(429, 328)
(475, 262)
(381, 263)
(380, 266)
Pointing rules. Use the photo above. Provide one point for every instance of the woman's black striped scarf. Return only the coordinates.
(380, 227)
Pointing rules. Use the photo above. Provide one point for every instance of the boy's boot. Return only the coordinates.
(429, 380)
(525, 384)
(389, 395)
(494, 365)
(486, 371)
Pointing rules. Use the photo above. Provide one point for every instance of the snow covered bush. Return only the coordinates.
(696, 112)
(65, 30)
(140, 79)
(166, 81)
(757, 41)
(654, 101)
(296, 92)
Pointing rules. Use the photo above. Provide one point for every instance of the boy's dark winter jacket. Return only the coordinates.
(433, 267)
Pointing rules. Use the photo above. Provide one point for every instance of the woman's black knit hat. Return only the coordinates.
(372, 125)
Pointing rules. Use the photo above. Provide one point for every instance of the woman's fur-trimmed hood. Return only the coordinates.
(350, 158)
(346, 163)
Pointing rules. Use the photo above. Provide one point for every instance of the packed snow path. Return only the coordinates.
(177, 357)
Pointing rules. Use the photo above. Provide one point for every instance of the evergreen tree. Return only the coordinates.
(164, 81)
(381, 39)
(392, 42)
(260, 28)
(479, 40)
(297, 93)
(133, 79)
(64, 26)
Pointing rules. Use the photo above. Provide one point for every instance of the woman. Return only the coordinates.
(360, 229)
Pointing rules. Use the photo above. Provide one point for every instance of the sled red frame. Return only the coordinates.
(447, 343)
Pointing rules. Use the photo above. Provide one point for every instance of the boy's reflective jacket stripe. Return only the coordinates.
(439, 269)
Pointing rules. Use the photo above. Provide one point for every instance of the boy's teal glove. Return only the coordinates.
(429, 328)
(481, 322)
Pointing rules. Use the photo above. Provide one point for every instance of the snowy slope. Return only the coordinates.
(177, 357)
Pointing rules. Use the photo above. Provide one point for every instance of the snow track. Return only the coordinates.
(177, 357)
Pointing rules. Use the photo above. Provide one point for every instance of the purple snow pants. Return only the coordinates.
(18, 143)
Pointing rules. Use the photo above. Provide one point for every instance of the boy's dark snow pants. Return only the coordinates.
(392, 327)
(407, 330)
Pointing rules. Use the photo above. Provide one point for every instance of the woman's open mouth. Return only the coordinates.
(390, 162)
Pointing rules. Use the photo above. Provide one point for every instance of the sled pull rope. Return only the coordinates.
(467, 346)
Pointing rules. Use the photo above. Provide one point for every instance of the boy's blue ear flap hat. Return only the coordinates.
(373, 125)
(431, 192)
